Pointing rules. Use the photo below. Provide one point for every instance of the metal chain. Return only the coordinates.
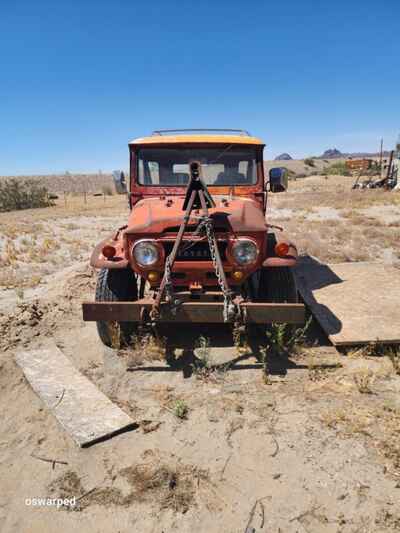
(169, 290)
(232, 311)
(174, 303)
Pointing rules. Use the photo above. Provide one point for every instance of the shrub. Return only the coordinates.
(180, 409)
(339, 168)
(16, 194)
(309, 162)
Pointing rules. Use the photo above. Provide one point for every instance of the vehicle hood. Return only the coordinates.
(154, 215)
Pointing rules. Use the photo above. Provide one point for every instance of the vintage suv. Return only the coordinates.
(197, 246)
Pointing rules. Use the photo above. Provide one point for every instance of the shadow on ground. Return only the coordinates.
(185, 340)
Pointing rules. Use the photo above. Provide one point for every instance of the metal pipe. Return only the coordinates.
(389, 169)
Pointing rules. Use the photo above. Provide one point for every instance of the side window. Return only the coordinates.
(154, 171)
(179, 168)
(243, 167)
(141, 170)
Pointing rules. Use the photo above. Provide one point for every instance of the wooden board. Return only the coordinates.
(355, 303)
(83, 411)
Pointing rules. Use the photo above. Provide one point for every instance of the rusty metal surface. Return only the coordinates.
(355, 303)
(160, 218)
(97, 259)
(193, 311)
(156, 215)
(359, 164)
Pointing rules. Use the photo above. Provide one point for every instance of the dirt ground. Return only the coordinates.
(312, 447)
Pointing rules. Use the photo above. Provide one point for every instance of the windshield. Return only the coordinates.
(222, 165)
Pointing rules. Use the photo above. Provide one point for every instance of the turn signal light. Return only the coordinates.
(108, 251)
(281, 249)
(152, 276)
(237, 275)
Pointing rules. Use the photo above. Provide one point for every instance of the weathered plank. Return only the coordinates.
(80, 407)
(355, 303)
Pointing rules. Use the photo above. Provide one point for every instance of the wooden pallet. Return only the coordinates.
(355, 303)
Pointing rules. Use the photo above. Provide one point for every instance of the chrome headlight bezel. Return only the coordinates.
(150, 245)
(241, 259)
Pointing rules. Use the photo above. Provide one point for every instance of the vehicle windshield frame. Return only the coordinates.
(222, 148)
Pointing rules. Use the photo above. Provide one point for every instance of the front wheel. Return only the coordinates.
(277, 285)
(116, 285)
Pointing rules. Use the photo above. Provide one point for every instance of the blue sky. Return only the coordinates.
(80, 78)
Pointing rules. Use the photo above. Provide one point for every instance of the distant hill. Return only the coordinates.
(283, 157)
(334, 153)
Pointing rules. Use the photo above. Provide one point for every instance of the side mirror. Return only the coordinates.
(278, 179)
(119, 181)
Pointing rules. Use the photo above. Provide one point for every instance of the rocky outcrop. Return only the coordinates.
(283, 157)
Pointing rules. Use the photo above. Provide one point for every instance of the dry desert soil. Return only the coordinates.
(312, 447)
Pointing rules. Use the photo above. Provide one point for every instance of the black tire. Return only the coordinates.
(277, 285)
(117, 285)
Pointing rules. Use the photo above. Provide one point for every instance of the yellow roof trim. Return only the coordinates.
(172, 139)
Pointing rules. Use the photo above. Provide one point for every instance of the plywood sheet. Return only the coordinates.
(355, 303)
(80, 407)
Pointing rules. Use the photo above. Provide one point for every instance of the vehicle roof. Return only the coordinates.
(177, 139)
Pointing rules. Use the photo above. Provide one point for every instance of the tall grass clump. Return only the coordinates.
(27, 194)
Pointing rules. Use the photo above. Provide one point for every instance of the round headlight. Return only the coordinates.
(244, 252)
(146, 253)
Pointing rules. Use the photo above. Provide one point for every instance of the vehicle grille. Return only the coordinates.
(196, 252)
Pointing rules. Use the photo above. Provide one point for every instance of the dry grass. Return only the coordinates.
(17, 221)
(67, 182)
(144, 347)
(394, 356)
(379, 423)
(37, 243)
(171, 486)
(364, 379)
(317, 370)
(355, 237)
(203, 367)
